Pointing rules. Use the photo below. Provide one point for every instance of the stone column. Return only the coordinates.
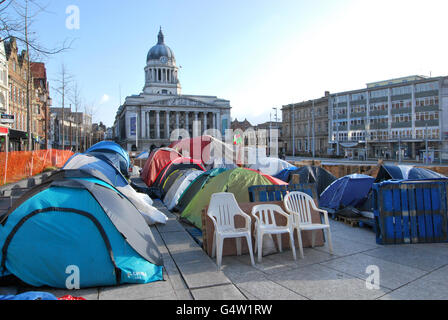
(215, 124)
(205, 120)
(143, 124)
(157, 124)
(148, 125)
(196, 119)
(177, 119)
(167, 133)
(187, 125)
(218, 116)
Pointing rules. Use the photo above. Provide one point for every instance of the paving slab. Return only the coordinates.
(232, 266)
(318, 282)
(227, 292)
(173, 273)
(137, 291)
(179, 242)
(266, 266)
(259, 286)
(199, 274)
(312, 256)
(345, 247)
(172, 225)
(184, 295)
(414, 255)
(433, 286)
(392, 275)
(361, 235)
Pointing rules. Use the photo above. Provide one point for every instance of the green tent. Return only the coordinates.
(195, 187)
(236, 181)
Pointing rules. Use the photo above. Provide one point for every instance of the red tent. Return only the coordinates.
(204, 148)
(162, 162)
(158, 159)
(272, 179)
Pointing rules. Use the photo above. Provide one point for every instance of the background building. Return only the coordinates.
(241, 125)
(43, 102)
(18, 74)
(394, 119)
(305, 127)
(146, 120)
(4, 98)
(98, 132)
(77, 128)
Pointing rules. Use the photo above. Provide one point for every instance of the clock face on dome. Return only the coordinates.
(164, 59)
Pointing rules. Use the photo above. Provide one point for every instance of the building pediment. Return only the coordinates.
(181, 101)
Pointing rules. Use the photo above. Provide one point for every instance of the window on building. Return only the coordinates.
(401, 90)
(430, 86)
(379, 93)
(359, 96)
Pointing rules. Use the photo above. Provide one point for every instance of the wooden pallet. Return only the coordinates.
(354, 222)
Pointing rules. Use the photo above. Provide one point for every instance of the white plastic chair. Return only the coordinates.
(222, 211)
(266, 224)
(299, 205)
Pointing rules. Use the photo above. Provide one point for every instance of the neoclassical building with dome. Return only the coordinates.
(146, 120)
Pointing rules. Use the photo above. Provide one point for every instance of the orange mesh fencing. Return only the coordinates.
(18, 165)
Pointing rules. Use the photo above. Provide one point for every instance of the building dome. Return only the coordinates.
(160, 50)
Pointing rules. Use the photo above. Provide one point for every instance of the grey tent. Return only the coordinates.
(104, 170)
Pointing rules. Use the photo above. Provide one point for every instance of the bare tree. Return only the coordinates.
(12, 25)
(76, 100)
(63, 82)
(90, 110)
(16, 20)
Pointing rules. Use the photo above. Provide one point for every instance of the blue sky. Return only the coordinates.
(258, 54)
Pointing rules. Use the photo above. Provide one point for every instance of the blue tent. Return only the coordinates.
(284, 175)
(82, 224)
(350, 190)
(143, 155)
(114, 153)
(29, 296)
(105, 171)
(102, 169)
(390, 172)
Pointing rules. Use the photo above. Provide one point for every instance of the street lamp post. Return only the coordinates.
(313, 133)
(293, 132)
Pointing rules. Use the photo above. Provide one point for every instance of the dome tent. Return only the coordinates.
(170, 180)
(352, 190)
(177, 189)
(82, 222)
(390, 172)
(270, 166)
(309, 174)
(107, 172)
(157, 161)
(198, 183)
(211, 151)
(114, 153)
(235, 181)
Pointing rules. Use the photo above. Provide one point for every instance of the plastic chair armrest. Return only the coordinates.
(247, 217)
